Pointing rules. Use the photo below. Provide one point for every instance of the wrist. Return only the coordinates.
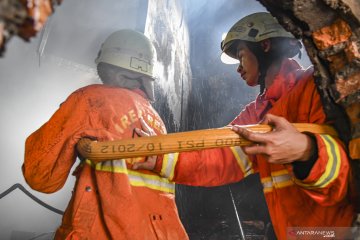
(310, 148)
(302, 168)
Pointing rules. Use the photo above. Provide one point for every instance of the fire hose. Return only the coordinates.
(179, 142)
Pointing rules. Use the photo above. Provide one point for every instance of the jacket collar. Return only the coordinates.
(284, 81)
(140, 92)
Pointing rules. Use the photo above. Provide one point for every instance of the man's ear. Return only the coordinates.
(266, 45)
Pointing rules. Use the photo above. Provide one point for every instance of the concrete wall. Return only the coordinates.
(35, 78)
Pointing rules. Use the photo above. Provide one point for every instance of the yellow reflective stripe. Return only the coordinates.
(135, 178)
(283, 181)
(266, 179)
(282, 178)
(162, 188)
(168, 165)
(267, 184)
(278, 179)
(117, 166)
(90, 163)
(280, 172)
(243, 160)
(151, 181)
(332, 167)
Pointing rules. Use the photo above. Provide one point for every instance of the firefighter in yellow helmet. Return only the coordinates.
(263, 36)
(110, 200)
(305, 176)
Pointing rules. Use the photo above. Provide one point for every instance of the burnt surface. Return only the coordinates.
(23, 18)
(172, 69)
(330, 30)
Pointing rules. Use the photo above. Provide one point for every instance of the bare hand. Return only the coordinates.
(285, 144)
(150, 161)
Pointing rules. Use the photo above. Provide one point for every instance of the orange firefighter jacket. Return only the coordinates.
(109, 201)
(319, 200)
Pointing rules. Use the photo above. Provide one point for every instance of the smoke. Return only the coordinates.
(218, 95)
(36, 77)
(218, 92)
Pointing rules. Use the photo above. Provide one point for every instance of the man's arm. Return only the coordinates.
(318, 162)
(210, 167)
(50, 151)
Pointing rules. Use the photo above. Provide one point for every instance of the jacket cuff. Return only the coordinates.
(301, 169)
(158, 165)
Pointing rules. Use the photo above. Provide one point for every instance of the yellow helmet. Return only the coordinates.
(128, 49)
(253, 28)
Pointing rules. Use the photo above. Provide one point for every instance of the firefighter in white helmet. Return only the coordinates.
(126, 59)
(110, 200)
(305, 176)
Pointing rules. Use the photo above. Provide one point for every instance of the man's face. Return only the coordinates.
(116, 76)
(249, 66)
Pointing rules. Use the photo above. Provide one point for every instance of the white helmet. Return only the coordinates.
(253, 28)
(128, 49)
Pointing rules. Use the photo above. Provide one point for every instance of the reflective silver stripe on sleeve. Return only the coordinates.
(243, 160)
(168, 167)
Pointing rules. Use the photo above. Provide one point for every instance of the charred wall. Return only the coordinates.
(330, 30)
(166, 28)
